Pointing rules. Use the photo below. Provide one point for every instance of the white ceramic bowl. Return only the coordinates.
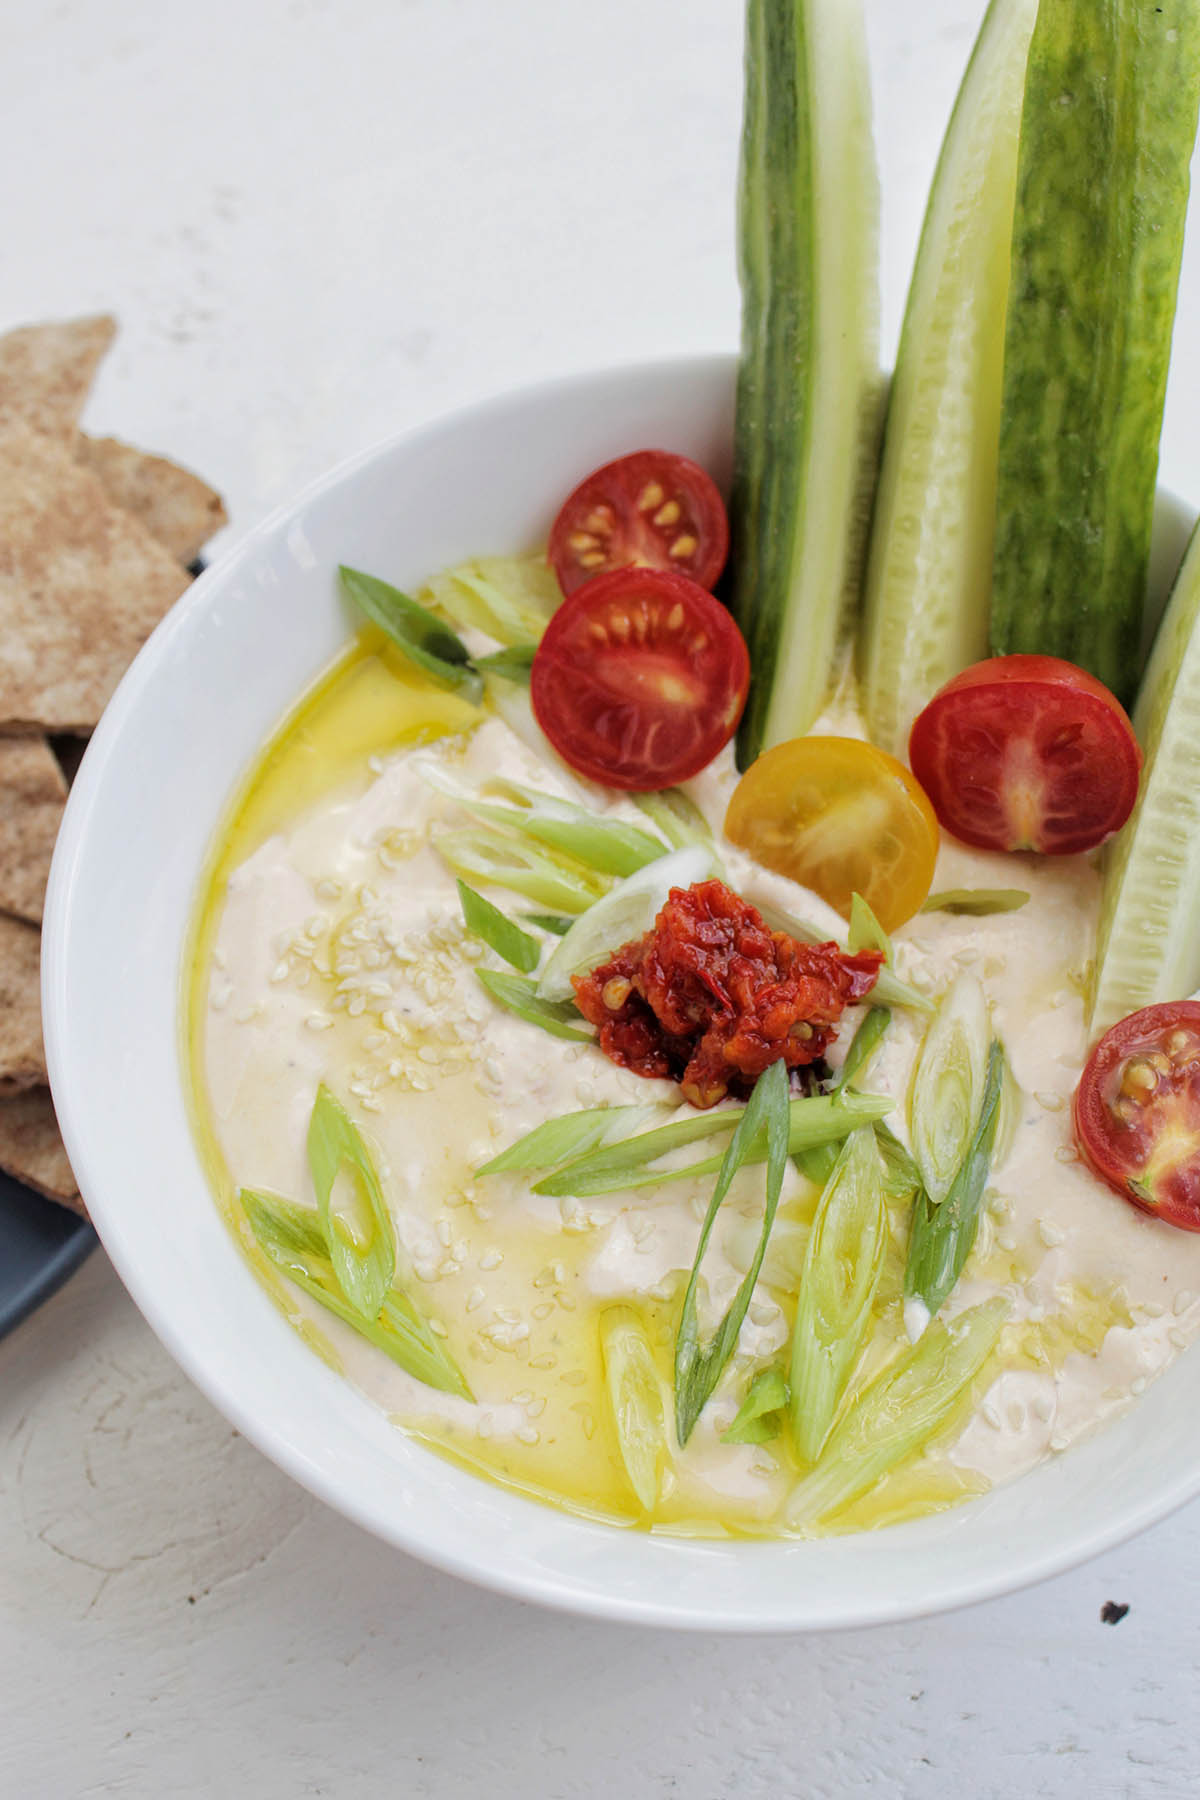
(198, 702)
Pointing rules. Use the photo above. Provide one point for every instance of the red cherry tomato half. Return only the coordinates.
(640, 678)
(1137, 1111)
(1027, 753)
(651, 510)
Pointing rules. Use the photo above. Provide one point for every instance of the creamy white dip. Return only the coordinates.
(340, 956)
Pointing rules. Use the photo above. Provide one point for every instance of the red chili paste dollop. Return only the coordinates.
(711, 996)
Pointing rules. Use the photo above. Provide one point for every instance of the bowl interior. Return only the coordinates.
(202, 696)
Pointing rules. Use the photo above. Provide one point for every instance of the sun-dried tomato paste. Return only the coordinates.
(711, 996)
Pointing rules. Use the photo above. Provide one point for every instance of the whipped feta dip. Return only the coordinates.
(339, 955)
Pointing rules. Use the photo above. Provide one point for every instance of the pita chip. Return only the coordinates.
(32, 795)
(31, 1149)
(82, 585)
(22, 1058)
(47, 370)
(174, 505)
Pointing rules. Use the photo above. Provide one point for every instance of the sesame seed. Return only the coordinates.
(544, 1361)
(1050, 1102)
(1178, 1338)
(437, 1328)
(1138, 1385)
(484, 1427)
(523, 1398)
(1043, 1409)
(491, 1259)
(280, 972)
(1183, 1299)
(475, 1299)
(319, 1022)
(574, 1378)
(1066, 1153)
(535, 1408)
(991, 1413)
(1059, 1441)
(244, 1016)
(1152, 1310)
(444, 1232)
(528, 1435)
(1050, 1234)
(543, 1310)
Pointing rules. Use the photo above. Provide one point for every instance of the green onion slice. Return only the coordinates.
(499, 933)
(816, 1119)
(518, 994)
(906, 1405)
(514, 664)
(558, 924)
(353, 1215)
(866, 933)
(635, 1394)
(509, 598)
(498, 860)
(863, 1045)
(609, 846)
(760, 1416)
(425, 639)
(837, 1291)
(942, 1236)
(570, 1135)
(947, 1085)
(676, 818)
(697, 1371)
(977, 902)
(292, 1238)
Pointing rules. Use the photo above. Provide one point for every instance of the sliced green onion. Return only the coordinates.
(837, 1291)
(501, 861)
(901, 1176)
(906, 1405)
(357, 1225)
(498, 932)
(513, 664)
(977, 902)
(519, 995)
(556, 923)
(607, 845)
(817, 1119)
(817, 1163)
(863, 1045)
(942, 1236)
(676, 818)
(947, 1085)
(425, 639)
(509, 598)
(866, 933)
(626, 912)
(573, 1134)
(635, 1394)
(764, 1121)
(291, 1237)
(760, 1416)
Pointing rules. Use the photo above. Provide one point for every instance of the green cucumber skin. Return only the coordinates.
(1106, 138)
(792, 620)
(1148, 944)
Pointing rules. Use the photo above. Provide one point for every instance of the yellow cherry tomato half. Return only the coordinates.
(840, 817)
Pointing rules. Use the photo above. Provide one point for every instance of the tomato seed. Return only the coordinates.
(684, 545)
(668, 514)
(651, 495)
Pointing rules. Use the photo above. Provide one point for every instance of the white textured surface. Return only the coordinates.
(317, 224)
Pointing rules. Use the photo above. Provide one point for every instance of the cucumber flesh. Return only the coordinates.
(1107, 131)
(1148, 948)
(808, 383)
(929, 568)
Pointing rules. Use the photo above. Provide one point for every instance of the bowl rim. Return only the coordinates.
(482, 1568)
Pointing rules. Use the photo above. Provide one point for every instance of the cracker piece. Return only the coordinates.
(22, 1058)
(82, 585)
(32, 795)
(31, 1149)
(174, 505)
(47, 370)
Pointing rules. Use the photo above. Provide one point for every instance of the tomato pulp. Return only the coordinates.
(640, 679)
(649, 510)
(1137, 1111)
(1027, 753)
